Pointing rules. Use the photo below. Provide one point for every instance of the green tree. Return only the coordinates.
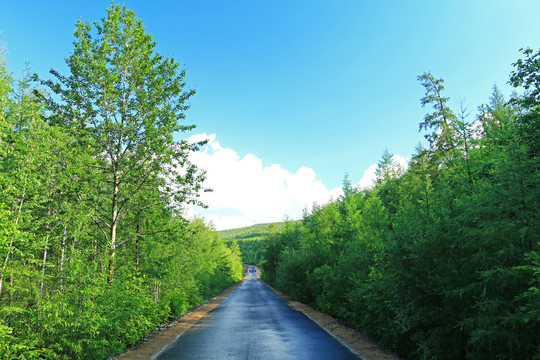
(90, 192)
(129, 101)
(441, 120)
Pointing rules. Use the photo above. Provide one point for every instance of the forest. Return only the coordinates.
(252, 240)
(440, 260)
(94, 250)
(436, 261)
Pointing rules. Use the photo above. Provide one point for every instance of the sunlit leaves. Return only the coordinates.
(91, 178)
(441, 261)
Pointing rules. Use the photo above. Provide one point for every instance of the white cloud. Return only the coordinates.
(401, 162)
(369, 177)
(245, 192)
(367, 181)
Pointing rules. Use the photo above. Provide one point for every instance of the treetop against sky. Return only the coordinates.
(305, 90)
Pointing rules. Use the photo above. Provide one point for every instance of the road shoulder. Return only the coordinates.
(356, 341)
(160, 339)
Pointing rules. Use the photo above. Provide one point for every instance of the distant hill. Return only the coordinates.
(253, 232)
(251, 239)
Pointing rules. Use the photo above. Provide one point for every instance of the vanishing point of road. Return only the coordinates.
(254, 323)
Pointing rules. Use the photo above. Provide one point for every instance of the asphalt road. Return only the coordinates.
(253, 323)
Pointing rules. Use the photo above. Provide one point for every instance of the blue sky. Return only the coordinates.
(323, 85)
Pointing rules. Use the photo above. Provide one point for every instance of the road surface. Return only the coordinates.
(253, 323)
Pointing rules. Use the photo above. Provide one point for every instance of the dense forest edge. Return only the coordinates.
(252, 240)
(440, 260)
(94, 250)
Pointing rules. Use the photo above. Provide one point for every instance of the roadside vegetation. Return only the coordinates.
(441, 260)
(252, 240)
(94, 252)
(437, 261)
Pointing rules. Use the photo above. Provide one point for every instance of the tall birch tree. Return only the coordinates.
(126, 101)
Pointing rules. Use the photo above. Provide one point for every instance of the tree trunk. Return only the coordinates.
(11, 280)
(5, 263)
(137, 241)
(45, 255)
(114, 225)
(43, 265)
(157, 290)
(21, 201)
(62, 253)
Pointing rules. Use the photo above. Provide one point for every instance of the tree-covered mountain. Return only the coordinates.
(252, 240)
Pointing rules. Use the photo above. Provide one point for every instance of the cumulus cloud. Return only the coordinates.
(402, 161)
(246, 192)
(367, 181)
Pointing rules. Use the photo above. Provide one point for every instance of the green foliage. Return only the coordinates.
(441, 120)
(252, 240)
(251, 249)
(126, 101)
(94, 253)
(440, 261)
(251, 232)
